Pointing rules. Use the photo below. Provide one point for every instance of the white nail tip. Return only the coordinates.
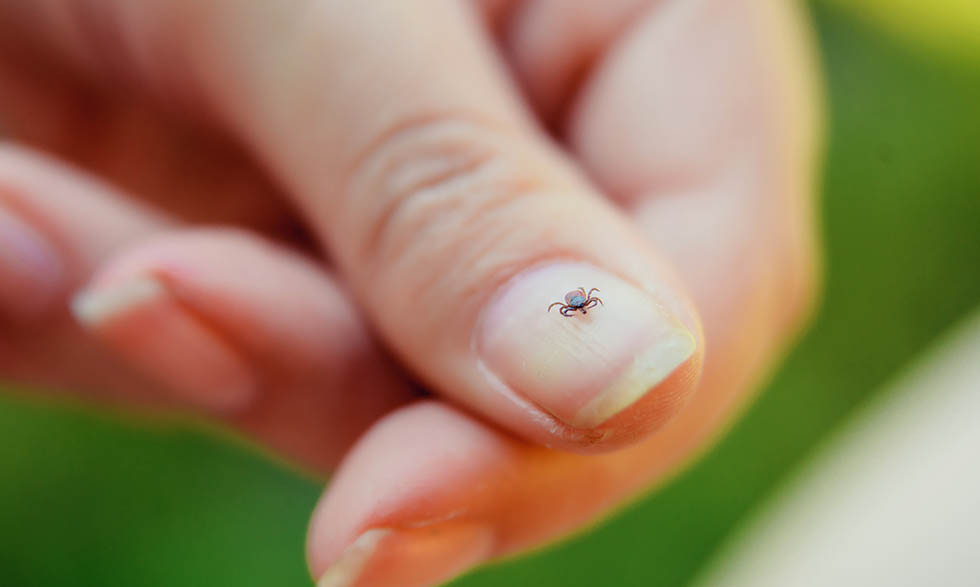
(101, 304)
(648, 369)
(348, 567)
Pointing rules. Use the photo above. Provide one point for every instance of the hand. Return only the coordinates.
(398, 140)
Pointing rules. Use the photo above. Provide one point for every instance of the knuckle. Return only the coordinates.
(454, 176)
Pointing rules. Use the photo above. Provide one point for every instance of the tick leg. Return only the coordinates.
(592, 302)
(589, 295)
(556, 304)
(567, 311)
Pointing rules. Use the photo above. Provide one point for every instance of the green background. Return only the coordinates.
(92, 499)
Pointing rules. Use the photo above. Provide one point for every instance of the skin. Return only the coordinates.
(236, 152)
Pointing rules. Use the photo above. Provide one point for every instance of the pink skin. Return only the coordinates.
(708, 179)
(319, 378)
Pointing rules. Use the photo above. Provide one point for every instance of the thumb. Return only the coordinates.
(459, 225)
(455, 221)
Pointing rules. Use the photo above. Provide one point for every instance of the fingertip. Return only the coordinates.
(409, 557)
(250, 330)
(415, 467)
(651, 411)
(642, 376)
(606, 372)
(140, 318)
(93, 307)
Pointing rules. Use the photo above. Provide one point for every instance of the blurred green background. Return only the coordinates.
(91, 499)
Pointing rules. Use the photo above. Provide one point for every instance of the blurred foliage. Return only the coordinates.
(91, 499)
(949, 26)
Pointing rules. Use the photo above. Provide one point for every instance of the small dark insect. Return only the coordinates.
(577, 301)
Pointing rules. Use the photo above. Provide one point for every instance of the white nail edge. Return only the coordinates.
(348, 567)
(648, 370)
(98, 305)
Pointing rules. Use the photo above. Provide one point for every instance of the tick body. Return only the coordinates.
(577, 300)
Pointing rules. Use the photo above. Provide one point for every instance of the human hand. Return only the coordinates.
(428, 180)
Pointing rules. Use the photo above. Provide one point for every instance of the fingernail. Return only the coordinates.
(351, 563)
(97, 307)
(31, 271)
(141, 320)
(586, 367)
(410, 557)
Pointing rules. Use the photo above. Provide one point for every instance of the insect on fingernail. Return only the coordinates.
(577, 300)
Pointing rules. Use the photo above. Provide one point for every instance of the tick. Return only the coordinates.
(577, 301)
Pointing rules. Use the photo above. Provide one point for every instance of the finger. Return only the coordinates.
(49, 213)
(736, 152)
(248, 328)
(728, 144)
(553, 46)
(55, 226)
(429, 492)
(458, 225)
(524, 496)
(185, 320)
